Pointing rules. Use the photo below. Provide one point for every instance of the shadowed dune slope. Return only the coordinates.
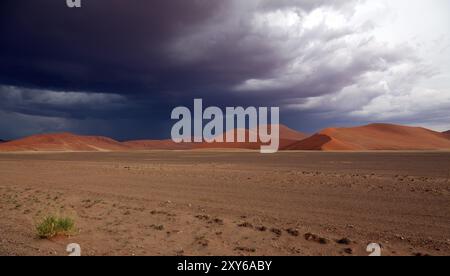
(157, 145)
(374, 137)
(72, 142)
(63, 142)
(290, 134)
(370, 137)
(287, 137)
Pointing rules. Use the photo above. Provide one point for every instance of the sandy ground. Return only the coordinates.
(228, 203)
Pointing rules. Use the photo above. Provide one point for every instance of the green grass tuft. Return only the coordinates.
(53, 226)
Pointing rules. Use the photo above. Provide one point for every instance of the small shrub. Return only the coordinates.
(53, 226)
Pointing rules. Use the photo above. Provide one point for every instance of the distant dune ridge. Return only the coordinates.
(63, 142)
(157, 145)
(287, 137)
(374, 137)
(370, 137)
(72, 142)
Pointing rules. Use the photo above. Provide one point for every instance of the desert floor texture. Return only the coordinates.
(228, 203)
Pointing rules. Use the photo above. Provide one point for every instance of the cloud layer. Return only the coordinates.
(126, 65)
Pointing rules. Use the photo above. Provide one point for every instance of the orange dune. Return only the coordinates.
(157, 145)
(290, 134)
(63, 142)
(225, 145)
(72, 142)
(287, 137)
(374, 137)
(370, 137)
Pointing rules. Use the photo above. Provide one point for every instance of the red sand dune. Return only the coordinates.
(290, 134)
(71, 142)
(447, 133)
(374, 137)
(234, 145)
(287, 137)
(157, 145)
(63, 142)
(371, 137)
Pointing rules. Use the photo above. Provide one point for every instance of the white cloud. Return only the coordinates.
(386, 61)
(425, 102)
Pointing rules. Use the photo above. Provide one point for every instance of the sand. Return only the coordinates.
(371, 137)
(69, 142)
(228, 203)
(287, 137)
(374, 137)
(63, 142)
(157, 145)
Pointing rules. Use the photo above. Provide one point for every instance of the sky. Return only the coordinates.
(118, 68)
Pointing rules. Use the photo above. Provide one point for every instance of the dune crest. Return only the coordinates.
(287, 137)
(157, 145)
(370, 137)
(374, 137)
(70, 142)
(63, 142)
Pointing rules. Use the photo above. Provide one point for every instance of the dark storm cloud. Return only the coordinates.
(60, 104)
(126, 64)
(106, 45)
(113, 47)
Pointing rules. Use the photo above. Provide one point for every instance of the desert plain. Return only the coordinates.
(228, 202)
